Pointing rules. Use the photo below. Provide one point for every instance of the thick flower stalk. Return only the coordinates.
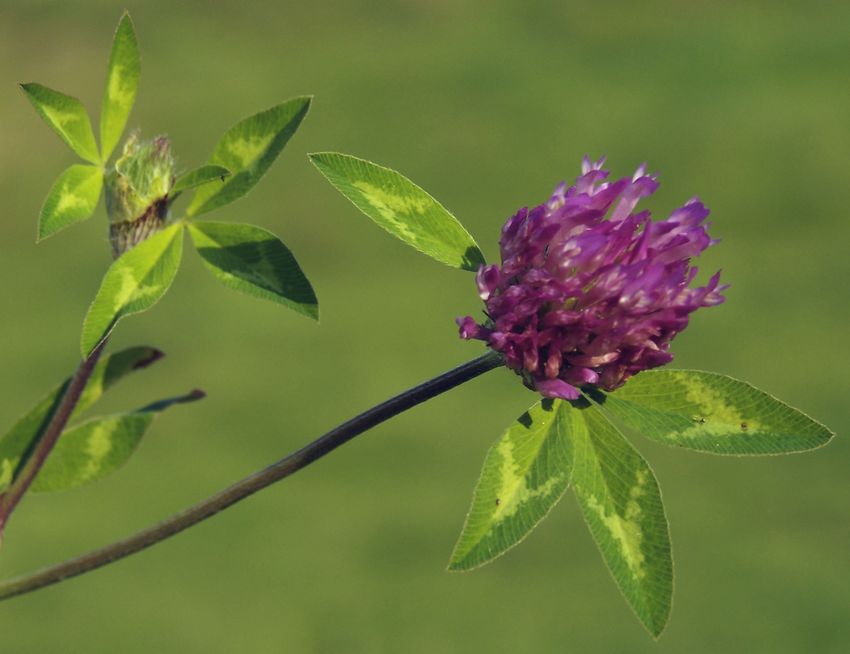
(590, 291)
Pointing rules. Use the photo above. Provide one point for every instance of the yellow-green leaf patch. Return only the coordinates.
(19, 440)
(95, 448)
(67, 117)
(133, 283)
(122, 82)
(525, 474)
(711, 413)
(72, 199)
(402, 208)
(621, 503)
(247, 150)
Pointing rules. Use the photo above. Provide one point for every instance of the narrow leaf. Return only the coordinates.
(621, 503)
(402, 208)
(95, 448)
(525, 474)
(252, 260)
(67, 117)
(711, 413)
(19, 440)
(72, 199)
(198, 176)
(122, 82)
(247, 150)
(134, 283)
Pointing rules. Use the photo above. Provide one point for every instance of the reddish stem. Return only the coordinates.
(52, 431)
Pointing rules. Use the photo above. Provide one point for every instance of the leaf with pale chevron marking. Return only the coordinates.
(402, 208)
(67, 117)
(525, 474)
(252, 260)
(72, 199)
(111, 368)
(247, 150)
(711, 413)
(122, 82)
(133, 283)
(621, 503)
(95, 448)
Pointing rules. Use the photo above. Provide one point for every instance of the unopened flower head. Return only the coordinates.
(137, 191)
(590, 291)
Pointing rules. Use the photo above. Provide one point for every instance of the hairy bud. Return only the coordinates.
(137, 191)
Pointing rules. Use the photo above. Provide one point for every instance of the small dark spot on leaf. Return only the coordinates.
(743, 426)
(498, 501)
(699, 419)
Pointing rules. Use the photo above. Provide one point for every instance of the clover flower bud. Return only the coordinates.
(137, 191)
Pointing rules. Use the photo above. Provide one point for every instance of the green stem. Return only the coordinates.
(249, 485)
(52, 431)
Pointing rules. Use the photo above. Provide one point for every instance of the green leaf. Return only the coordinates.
(247, 150)
(711, 413)
(621, 503)
(122, 82)
(98, 446)
(19, 440)
(252, 260)
(67, 117)
(134, 283)
(72, 198)
(111, 369)
(198, 176)
(525, 474)
(402, 208)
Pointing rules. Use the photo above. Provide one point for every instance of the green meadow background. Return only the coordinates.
(488, 106)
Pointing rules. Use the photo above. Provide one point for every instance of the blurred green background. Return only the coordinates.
(488, 106)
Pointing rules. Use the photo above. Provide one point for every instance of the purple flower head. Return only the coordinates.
(584, 299)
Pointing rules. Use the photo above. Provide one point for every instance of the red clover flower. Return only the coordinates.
(579, 299)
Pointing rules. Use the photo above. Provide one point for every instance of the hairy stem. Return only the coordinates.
(52, 431)
(251, 484)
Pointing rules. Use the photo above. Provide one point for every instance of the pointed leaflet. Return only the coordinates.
(247, 150)
(134, 283)
(72, 198)
(525, 474)
(122, 81)
(23, 434)
(252, 260)
(402, 208)
(621, 503)
(98, 446)
(67, 117)
(198, 176)
(711, 413)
